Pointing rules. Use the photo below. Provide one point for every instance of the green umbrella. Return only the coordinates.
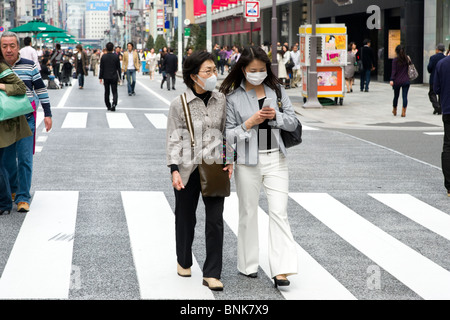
(53, 35)
(36, 26)
(61, 40)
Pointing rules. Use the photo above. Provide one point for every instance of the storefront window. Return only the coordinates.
(446, 21)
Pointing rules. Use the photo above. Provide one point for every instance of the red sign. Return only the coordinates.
(251, 9)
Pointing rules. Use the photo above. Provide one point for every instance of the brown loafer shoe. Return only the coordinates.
(213, 284)
(183, 272)
(23, 207)
(13, 196)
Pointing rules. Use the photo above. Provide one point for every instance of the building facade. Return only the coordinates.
(97, 19)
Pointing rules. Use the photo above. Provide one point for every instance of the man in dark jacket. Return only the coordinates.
(110, 73)
(368, 65)
(431, 69)
(170, 64)
(442, 88)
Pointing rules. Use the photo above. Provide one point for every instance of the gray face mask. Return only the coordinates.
(256, 78)
(209, 83)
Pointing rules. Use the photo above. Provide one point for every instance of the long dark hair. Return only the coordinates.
(235, 77)
(401, 54)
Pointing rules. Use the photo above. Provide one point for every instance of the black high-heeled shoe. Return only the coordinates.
(281, 282)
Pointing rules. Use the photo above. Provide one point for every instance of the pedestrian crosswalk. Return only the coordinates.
(40, 263)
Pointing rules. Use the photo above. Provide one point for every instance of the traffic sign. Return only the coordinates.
(251, 9)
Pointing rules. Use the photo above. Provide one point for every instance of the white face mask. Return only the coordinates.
(256, 78)
(209, 83)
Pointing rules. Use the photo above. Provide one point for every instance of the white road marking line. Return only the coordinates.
(64, 98)
(118, 121)
(152, 235)
(434, 133)
(420, 274)
(39, 266)
(312, 282)
(76, 120)
(418, 211)
(154, 93)
(159, 120)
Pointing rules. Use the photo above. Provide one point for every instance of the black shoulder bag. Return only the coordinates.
(293, 138)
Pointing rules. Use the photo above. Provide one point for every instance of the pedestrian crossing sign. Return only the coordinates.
(251, 9)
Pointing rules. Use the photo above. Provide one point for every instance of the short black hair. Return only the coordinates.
(132, 45)
(27, 41)
(192, 65)
(109, 46)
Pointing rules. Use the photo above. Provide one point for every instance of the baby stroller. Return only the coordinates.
(52, 82)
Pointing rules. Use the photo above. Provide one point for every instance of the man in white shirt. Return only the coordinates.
(295, 55)
(28, 52)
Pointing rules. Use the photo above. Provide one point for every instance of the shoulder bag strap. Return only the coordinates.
(187, 114)
(6, 73)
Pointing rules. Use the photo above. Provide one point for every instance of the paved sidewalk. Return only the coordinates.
(370, 110)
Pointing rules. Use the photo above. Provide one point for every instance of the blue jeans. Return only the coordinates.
(81, 79)
(131, 80)
(18, 161)
(5, 190)
(405, 89)
(365, 80)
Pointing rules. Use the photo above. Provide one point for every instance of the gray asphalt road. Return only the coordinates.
(351, 210)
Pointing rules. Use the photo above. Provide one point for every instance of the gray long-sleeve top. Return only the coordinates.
(241, 105)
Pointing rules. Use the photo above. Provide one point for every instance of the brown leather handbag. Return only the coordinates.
(214, 180)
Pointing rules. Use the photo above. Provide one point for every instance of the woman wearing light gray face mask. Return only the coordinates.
(261, 161)
(207, 107)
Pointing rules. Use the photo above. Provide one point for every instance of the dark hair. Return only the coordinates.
(235, 77)
(27, 41)
(132, 45)
(366, 41)
(192, 65)
(401, 55)
(350, 46)
(110, 46)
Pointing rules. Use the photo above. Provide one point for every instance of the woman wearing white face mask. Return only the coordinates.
(208, 113)
(253, 123)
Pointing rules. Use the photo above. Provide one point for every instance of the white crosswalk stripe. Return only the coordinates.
(159, 120)
(398, 259)
(77, 120)
(313, 282)
(40, 263)
(152, 235)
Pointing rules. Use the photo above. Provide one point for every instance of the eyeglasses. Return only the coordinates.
(209, 72)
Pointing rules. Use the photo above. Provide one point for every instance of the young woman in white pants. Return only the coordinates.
(254, 122)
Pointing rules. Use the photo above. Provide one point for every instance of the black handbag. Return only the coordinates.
(290, 139)
(214, 181)
(290, 64)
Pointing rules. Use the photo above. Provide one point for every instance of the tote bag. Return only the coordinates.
(13, 106)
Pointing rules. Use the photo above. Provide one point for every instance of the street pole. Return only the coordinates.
(313, 101)
(180, 35)
(208, 26)
(274, 38)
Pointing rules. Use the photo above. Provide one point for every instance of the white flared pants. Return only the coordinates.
(271, 173)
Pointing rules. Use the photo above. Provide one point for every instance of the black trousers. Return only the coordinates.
(170, 75)
(186, 201)
(434, 100)
(446, 151)
(110, 85)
